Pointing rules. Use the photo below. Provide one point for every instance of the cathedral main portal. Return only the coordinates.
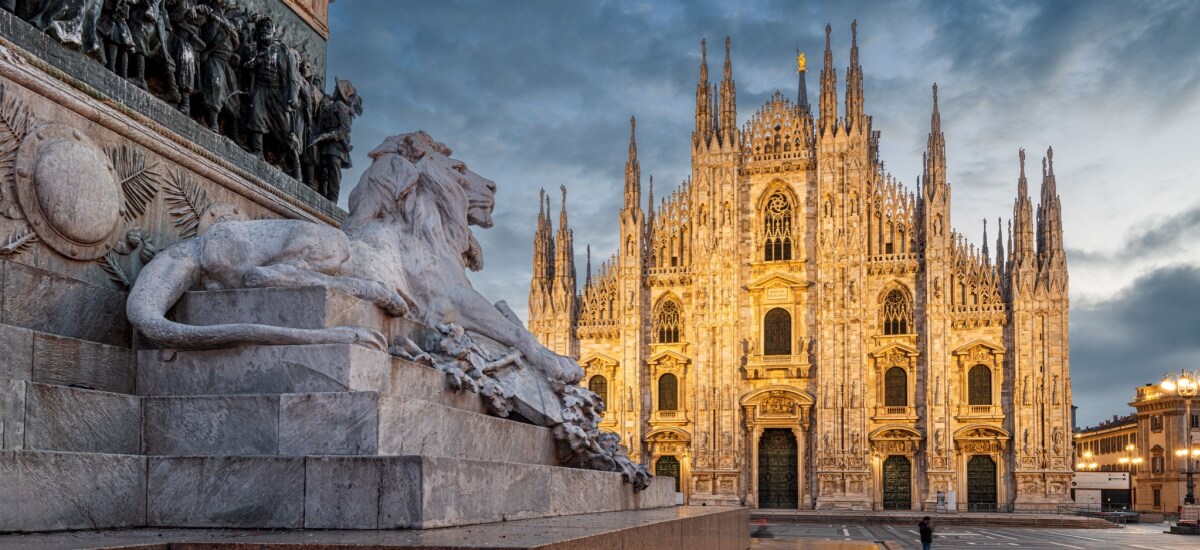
(777, 466)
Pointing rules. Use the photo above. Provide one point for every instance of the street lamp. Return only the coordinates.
(1127, 460)
(1185, 385)
(1087, 463)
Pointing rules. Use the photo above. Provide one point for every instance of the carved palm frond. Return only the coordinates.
(18, 242)
(15, 122)
(186, 202)
(139, 180)
(110, 266)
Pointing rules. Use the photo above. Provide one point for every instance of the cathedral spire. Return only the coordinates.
(1000, 245)
(854, 84)
(984, 249)
(1049, 217)
(564, 259)
(828, 87)
(588, 281)
(802, 89)
(633, 172)
(704, 115)
(1022, 250)
(935, 155)
(727, 124)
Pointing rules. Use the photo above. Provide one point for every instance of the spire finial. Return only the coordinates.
(728, 62)
(854, 33)
(801, 61)
(828, 32)
(1021, 155)
(541, 203)
(563, 188)
(1050, 159)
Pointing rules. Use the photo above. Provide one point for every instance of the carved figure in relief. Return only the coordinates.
(1056, 439)
(1028, 442)
(332, 142)
(186, 18)
(854, 442)
(218, 76)
(274, 95)
(71, 22)
(1054, 394)
(118, 40)
(938, 448)
(148, 27)
(937, 390)
(1025, 390)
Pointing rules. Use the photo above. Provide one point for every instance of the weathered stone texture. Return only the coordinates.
(45, 302)
(262, 370)
(329, 424)
(59, 418)
(212, 425)
(16, 357)
(12, 413)
(46, 491)
(258, 492)
(344, 493)
(302, 307)
(68, 361)
(413, 427)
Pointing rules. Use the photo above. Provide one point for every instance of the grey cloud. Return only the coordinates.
(1146, 330)
(1157, 237)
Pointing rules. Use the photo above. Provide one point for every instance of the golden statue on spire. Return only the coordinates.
(801, 62)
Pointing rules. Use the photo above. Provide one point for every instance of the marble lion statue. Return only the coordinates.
(405, 246)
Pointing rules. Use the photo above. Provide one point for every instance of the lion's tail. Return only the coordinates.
(164, 281)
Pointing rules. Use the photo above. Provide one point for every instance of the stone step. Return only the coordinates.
(48, 417)
(52, 491)
(395, 492)
(52, 359)
(335, 423)
(301, 307)
(294, 369)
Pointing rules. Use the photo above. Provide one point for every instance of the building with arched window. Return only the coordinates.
(793, 327)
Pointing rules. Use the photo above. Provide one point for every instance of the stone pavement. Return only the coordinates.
(907, 517)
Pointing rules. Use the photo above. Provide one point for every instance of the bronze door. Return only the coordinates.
(668, 466)
(897, 483)
(981, 483)
(777, 469)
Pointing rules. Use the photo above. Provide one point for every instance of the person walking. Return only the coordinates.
(926, 533)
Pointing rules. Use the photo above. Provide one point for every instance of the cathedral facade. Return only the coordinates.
(793, 328)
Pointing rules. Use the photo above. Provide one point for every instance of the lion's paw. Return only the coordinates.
(395, 305)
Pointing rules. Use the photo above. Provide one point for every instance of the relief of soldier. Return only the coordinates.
(224, 67)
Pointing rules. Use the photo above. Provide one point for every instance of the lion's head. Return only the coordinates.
(412, 176)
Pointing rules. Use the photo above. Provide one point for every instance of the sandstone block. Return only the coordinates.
(262, 370)
(69, 361)
(57, 491)
(329, 424)
(16, 363)
(211, 425)
(253, 492)
(59, 418)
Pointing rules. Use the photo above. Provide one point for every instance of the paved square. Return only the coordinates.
(856, 536)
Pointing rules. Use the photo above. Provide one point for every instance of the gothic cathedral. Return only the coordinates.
(793, 328)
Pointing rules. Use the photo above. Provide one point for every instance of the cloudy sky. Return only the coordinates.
(538, 94)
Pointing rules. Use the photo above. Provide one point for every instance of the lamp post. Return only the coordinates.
(1185, 385)
(1130, 461)
(1087, 463)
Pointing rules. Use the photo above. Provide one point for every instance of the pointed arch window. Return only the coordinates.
(599, 386)
(668, 393)
(896, 313)
(777, 332)
(895, 388)
(667, 321)
(777, 228)
(979, 385)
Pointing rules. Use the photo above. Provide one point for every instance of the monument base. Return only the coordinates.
(686, 527)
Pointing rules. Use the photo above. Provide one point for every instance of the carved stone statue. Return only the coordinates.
(405, 246)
